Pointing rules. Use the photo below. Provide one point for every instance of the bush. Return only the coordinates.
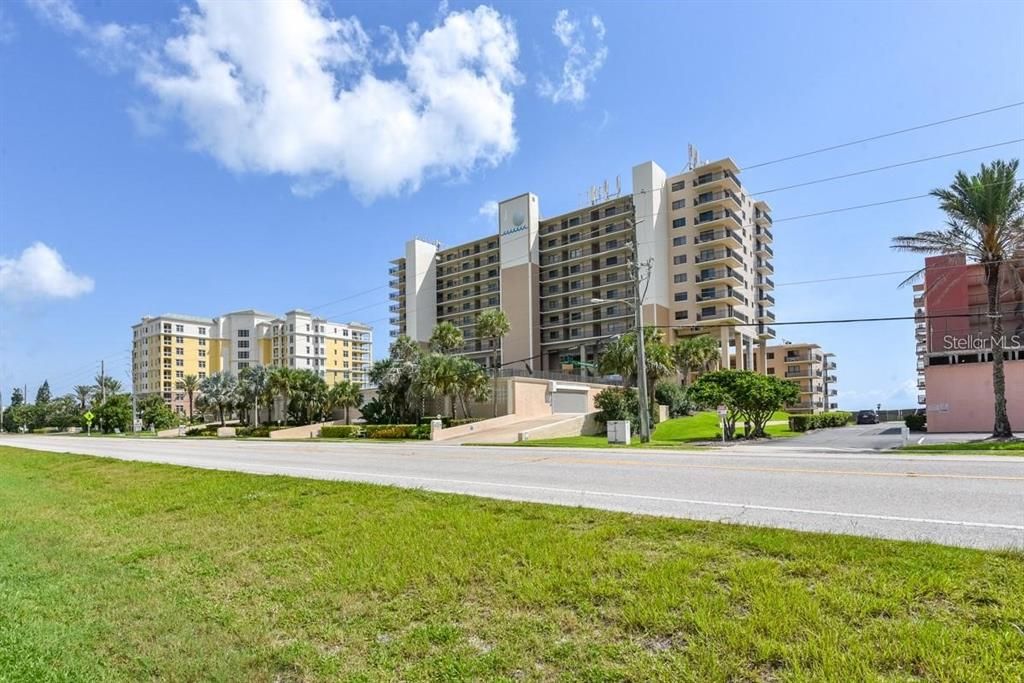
(802, 423)
(256, 432)
(618, 403)
(202, 431)
(449, 422)
(915, 422)
(395, 431)
(341, 432)
(674, 396)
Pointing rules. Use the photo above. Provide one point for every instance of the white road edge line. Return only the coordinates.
(635, 496)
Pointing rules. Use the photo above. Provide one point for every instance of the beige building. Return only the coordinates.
(563, 280)
(166, 348)
(811, 368)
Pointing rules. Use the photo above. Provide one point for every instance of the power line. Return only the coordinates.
(885, 168)
(881, 136)
(891, 272)
(346, 298)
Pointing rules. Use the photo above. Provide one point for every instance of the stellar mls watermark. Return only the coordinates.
(974, 342)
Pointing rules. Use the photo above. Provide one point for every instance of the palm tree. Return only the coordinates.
(221, 392)
(439, 374)
(619, 358)
(83, 392)
(106, 386)
(697, 354)
(346, 395)
(190, 385)
(282, 380)
(473, 384)
(254, 382)
(984, 222)
(446, 338)
(493, 324)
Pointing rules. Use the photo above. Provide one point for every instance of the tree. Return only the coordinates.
(346, 395)
(18, 415)
(309, 393)
(446, 338)
(254, 385)
(697, 354)
(190, 385)
(221, 392)
(105, 385)
(154, 412)
(745, 394)
(399, 392)
(439, 374)
(83, 392)
(63, 412)
(618, 403)
(472, 383)
(619, 358)
(985, 222)
(493, 325)
(43, 393)
(17, 398)
(282, 380)
(115, 413)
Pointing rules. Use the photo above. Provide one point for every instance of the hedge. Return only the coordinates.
(376, 431)
(341, 431)
(449, 422)
(258, 432)
(802, 423)
(915, 422)
(202, 431)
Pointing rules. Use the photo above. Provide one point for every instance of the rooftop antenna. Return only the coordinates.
(692, 157)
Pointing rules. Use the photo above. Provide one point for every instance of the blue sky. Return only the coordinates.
(164, 195)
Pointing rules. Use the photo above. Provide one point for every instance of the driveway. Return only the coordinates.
(959, 500)
(859, 438)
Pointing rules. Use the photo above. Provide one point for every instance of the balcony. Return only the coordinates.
(763, 250)
(764, 234)
(724, 295)
(762, 218)
(764, 331)
(726, 257)
(798, 358)
(726, 276)
(767, 299)
(728, 314)
(832, 379)
(919, 301)
(571, 256)
(721, 178)
(707, 217)
(766, 316)
(714, 198)
(765, 283)
(395, 296)
(394, 308)
(764, 267)
(831, 365)
(726, 238)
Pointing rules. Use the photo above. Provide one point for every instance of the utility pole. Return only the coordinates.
(103, 384)
(641, 357)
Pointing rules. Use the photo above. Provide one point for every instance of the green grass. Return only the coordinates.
(678, 432)
(996, 447)
(122, 571)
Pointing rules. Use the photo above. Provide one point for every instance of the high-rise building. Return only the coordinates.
(566, 283)
(168, 347)
(811, 369)
(954, 344)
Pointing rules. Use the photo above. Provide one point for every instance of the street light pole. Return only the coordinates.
(641, 358)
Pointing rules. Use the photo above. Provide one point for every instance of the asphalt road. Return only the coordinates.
(975, 501)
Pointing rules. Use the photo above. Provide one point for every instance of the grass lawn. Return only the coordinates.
(112, 570)
(674, 433)
(1014, 447)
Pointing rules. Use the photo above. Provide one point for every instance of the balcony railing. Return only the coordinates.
(764, 234)
(718, 255)
(711, 197)
(765, 282)
(706, 178)
(729, 312)
(719, 274)
(723, 293)
(717, 216)
(717, 236)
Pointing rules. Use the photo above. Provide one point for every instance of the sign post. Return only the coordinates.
(722, 413)
(88, 417)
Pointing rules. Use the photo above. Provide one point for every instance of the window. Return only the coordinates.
(243, 366)
(678, 260)
(679, 223)
(202, 363)
(611, 261)
(243, 333)
(202, 353)
(679, 278)
(180, 374)
(705, 216)
(243, 354)
(707, 310)
(771, 371)
(167, 327)
(179, 340)
(681, 296)
(682, 315)
(679, 203)
(679, 185)
(202, 342)
(180, 362)
(679, 241)
(243, 343)
(202, 375)
(771, 355)
(202, 331)
(179, 328)
(179, 351)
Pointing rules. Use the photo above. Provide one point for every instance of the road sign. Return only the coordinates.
(722, 412)
(88, 417)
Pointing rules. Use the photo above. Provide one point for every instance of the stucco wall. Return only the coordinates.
(960, 397)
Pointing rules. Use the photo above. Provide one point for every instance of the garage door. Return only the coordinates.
(569, 399)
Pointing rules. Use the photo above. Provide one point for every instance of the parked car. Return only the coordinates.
(867, 417)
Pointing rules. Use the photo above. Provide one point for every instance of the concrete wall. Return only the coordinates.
(960, 397)
(576, 425)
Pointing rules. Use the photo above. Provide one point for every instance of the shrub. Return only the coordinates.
(802, 423)
(449, 422)
(341, 432)
(674, 396)
(915, 422)
(256, 432)
(618, 403)
(202, 431)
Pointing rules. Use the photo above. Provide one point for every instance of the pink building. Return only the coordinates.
(954, 347)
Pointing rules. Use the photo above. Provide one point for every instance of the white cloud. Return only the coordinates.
(40, 273)
(581, 63)
(284, 88)
(112, 46)
(489, 209)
